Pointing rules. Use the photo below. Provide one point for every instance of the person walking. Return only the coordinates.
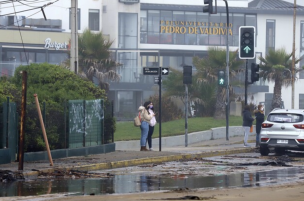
(144, 127)
(151, 125)
(247, 123)
(259, 117)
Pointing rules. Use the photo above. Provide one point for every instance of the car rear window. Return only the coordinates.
(285, 117)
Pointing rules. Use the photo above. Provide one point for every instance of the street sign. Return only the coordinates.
(165, 71)
(150, 71)
(156, 80)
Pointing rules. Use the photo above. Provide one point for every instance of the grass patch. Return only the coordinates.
(127, 131)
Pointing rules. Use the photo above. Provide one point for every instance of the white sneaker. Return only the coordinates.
(151, 149)
(247, 145)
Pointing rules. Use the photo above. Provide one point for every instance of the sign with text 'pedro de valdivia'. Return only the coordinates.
(189, 27)
(48, 44)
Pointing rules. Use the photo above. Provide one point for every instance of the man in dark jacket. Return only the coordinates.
(259, 119)
(247, 123)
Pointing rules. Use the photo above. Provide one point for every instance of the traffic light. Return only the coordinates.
(255, 68)
(187, 74)
(246, 42)
(209, 6)
(221, 78)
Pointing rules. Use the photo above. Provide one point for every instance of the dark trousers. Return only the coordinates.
(149, 138)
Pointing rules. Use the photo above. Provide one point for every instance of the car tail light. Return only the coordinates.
(299, 126)
(265, 125)
(300, 140)
(264, 139)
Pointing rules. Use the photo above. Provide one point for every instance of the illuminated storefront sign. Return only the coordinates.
(49, 44)
(182, 27)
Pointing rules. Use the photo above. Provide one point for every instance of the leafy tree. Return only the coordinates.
(54, 85)
(94, 59)
(7, 89)
(275, 67)
(169, 110)
(207, 71)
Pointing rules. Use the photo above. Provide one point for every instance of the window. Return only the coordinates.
(143, 26)
(190, 36)
(237, 21)
(94, 19)
(270, 35)
(178, 17)
(127, 30)
(165, 38)
(191, 28)
(78, 18)
(153, 26)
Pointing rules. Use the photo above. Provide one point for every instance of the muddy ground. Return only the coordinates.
(291, 190)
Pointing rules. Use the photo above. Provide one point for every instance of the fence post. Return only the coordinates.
(84, 122)
(7, 121)
(65, 124)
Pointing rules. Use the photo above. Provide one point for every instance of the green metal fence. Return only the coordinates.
(9, 125)
(86, 122)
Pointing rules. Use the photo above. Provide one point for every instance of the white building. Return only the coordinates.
(168, 33)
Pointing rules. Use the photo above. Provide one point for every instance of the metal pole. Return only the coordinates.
(227, 74)
(246, 80)
(74, 36)
(22, 120)
(186, 116)
(43, 130)
(293, 56)
(159, 82)
(7, 121)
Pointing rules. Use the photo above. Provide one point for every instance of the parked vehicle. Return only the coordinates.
(283, 130)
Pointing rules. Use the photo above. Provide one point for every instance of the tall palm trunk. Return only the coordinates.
(277, 94)
(220, 105)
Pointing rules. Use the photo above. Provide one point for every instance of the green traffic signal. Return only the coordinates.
(221, 78)
(246, 42)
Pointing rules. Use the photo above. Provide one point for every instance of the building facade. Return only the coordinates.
(153, 33)
(169, 33)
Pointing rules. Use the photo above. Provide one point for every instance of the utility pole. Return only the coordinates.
(74, 36)
(227, 74)
(293, 56)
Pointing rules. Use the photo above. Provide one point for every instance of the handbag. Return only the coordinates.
(251, 129)
(137, 121)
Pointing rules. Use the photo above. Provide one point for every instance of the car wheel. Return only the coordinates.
(264, 151)
(279, 151)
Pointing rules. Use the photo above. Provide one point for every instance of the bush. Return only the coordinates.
(169, 110)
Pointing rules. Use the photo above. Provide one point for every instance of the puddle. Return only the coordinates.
(141, 182)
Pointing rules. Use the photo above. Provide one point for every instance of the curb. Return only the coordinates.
(142, 161)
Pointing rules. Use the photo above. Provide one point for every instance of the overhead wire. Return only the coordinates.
(26, 58)
(23, 4)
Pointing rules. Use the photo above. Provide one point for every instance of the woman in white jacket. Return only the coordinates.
(151, 125)
(145, 118)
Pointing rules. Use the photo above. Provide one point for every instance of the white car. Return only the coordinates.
(283, 130)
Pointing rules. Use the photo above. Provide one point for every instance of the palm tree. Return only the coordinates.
(207, 70)
(274, 67)
(199, 94)
(94, 59)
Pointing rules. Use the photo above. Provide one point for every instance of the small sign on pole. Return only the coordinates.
(165, 71)
(150, 71)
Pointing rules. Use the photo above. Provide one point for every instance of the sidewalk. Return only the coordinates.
(122, 158)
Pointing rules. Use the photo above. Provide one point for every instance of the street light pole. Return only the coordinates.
(293, 56)
(227, 73)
